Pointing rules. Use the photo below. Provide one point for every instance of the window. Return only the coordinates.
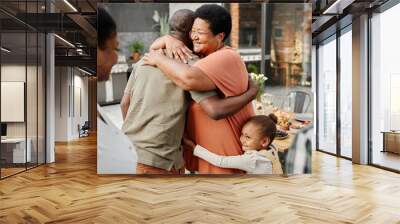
(22, 75)
(346, 93)
(385, 89)
(327, 96)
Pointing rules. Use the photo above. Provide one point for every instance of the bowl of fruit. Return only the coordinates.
(280, 135)
(283, 120)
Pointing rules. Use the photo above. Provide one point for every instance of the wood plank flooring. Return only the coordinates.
(387, 159)
(10, 171)
(70, 191)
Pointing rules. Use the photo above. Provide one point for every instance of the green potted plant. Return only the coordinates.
(136, 48)
(162, 25)
(252, 68)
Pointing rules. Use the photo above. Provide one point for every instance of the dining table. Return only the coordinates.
(298, 119)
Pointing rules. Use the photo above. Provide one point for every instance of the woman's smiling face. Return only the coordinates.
(204, 41)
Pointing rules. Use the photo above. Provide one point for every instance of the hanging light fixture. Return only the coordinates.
(65, 41)
(5, 50)
(70, 5)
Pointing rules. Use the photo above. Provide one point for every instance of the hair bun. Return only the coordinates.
(273, 117)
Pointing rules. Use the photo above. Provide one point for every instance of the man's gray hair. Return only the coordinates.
(181, 21)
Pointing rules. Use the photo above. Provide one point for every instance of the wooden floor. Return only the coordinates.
(10, 171)
(5, 172)
(387, 159)
(70, 191)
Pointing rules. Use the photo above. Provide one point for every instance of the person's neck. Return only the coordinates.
(263, 148)
(182, 37)
(206, 54)
(222, 45)
(249, 150)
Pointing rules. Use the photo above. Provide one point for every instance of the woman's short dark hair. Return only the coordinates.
(218, 18)
(106, 27)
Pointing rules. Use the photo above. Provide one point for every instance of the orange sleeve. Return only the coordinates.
(227, 71)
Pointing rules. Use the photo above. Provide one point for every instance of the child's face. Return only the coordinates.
(252, 139)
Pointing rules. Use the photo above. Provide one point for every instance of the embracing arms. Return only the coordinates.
(191, 78)
(174, 48)
(251, 163)
(218, 108)
(183, 75)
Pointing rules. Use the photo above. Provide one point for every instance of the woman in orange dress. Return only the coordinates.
(220, 68)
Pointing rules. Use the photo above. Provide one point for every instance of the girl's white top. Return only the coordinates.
(252, 161)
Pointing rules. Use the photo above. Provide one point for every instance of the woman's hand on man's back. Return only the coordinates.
(253, 88)
(174, 48)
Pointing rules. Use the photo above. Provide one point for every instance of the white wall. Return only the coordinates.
(80, 98)
(12, 73)
(83, 84)
(62, 80)
(33, 126)
(71, 94)
(173, 7)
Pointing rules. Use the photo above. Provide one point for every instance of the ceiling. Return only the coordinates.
(72, 20)
(79, 27)
(330, 15)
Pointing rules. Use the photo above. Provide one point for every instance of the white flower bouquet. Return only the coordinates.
(260, 80)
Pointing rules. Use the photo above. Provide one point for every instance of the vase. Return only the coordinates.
(258, 107)
(258, 98)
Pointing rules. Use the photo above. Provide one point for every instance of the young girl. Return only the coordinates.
(259, 157)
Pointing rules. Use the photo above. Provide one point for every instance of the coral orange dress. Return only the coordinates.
(228, 72)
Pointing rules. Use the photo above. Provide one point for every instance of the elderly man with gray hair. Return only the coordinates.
(156, 108)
